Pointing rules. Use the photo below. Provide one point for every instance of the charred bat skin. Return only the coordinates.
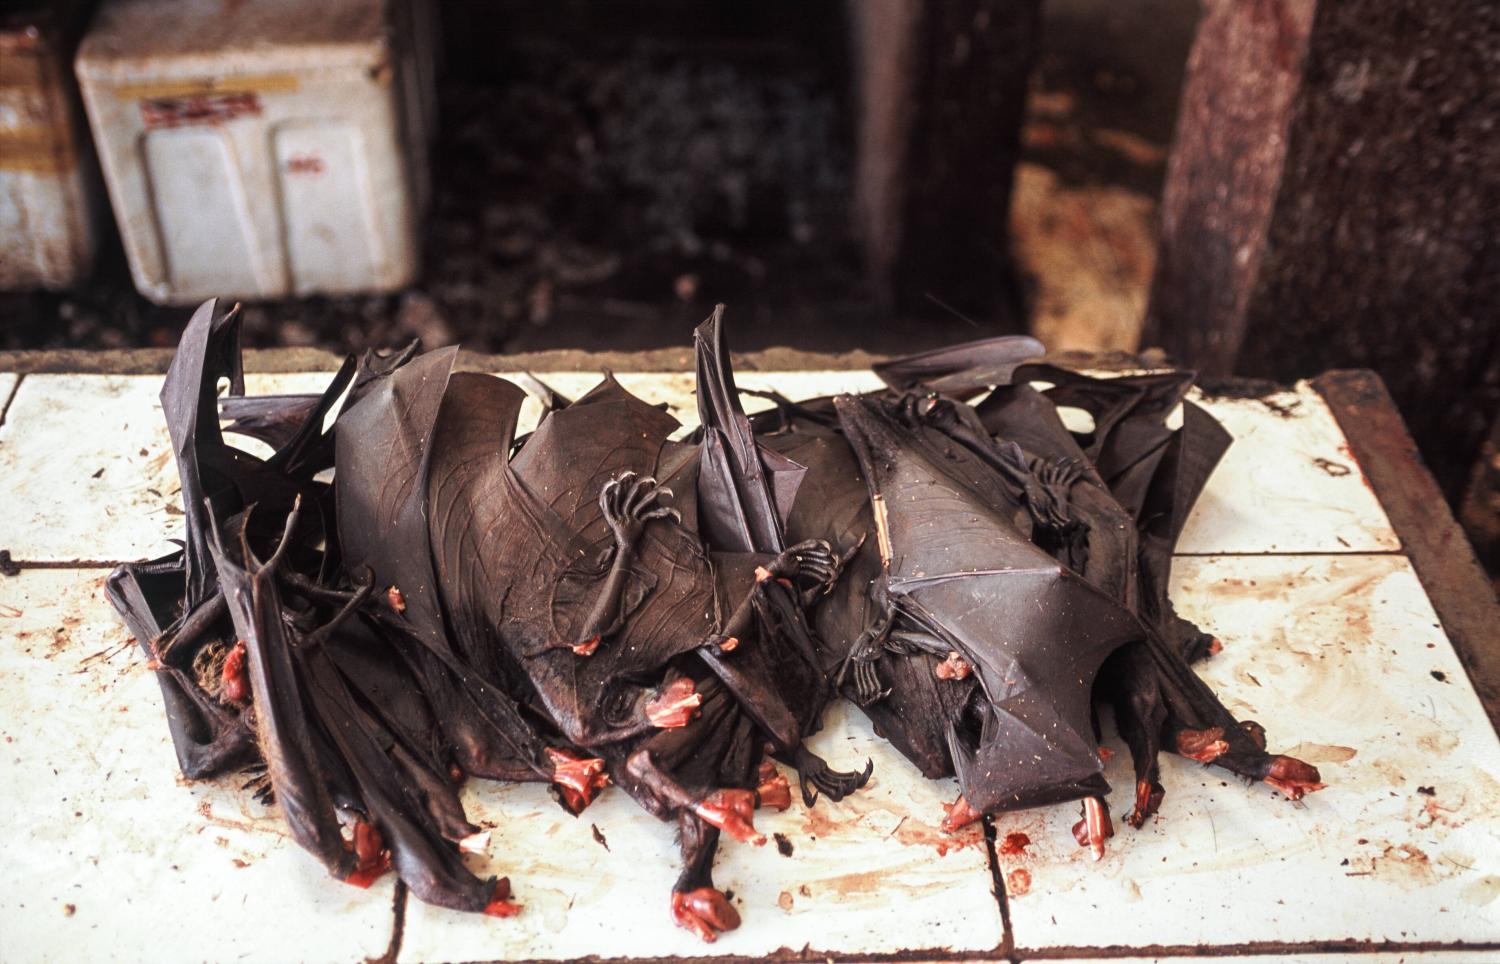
(601, 603)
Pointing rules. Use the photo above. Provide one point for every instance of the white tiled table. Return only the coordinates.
(1330, 642)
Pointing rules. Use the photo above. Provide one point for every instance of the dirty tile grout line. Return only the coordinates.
(1002, 897)
(398, 926)
(15, 388)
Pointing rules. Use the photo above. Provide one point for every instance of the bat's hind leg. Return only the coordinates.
(1141, 716)
(628, 502)
(697, 905)
(649, 770)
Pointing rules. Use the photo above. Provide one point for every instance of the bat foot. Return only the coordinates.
(578, 779)
(732, 811)
(500, 904)
(629, 501)
(818, 777)
(1205, 746)
(1095, 827)
(813, 560)
(677, 705)
(1148, 797)
(959, 815)
(774, 790)
(1292, 777)
(705, 911)
(864, 688)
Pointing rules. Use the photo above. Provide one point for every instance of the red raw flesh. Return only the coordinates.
(579, 779)
(676, 706)
(705, 912)
(732, 811)
(236, 682)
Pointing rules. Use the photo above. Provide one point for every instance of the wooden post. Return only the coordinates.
(941, 91)
(1332, 201)
(1480, 510)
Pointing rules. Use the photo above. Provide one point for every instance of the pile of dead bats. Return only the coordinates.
(600, 603)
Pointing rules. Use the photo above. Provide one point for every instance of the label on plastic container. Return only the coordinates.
(198, 109)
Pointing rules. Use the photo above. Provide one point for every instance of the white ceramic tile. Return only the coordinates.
(1288, 483)
(1339, 658)
(109, 854)
(872, 874)
(86, 462)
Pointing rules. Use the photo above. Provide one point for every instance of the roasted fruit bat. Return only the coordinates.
(602, 602)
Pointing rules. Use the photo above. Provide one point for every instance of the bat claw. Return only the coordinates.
(818, 777)
(578, 779)
(813, 559)
(677, 705)
(732, 811)
(867, 688)
(705, 911)
(627, 508)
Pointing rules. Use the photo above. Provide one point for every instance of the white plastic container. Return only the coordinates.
(50, 203)
(261, 148)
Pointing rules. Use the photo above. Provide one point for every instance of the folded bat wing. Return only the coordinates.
(1034, 631)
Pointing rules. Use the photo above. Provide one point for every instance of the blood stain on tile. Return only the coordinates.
(1406, 865)
(1015, 843)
